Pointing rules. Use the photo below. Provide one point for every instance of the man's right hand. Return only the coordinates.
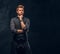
(19, 30)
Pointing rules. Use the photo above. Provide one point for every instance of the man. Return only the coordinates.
(20, 26)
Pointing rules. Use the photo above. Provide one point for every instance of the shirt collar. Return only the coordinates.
(22, 18)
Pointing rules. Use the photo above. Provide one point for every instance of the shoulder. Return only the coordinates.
(27, 19)
(13, 19)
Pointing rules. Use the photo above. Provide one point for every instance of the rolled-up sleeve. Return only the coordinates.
(12, 26)
(27, 25)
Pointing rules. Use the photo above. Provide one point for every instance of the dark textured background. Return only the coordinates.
(44, 15)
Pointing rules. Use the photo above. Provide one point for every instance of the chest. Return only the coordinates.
(18, 23)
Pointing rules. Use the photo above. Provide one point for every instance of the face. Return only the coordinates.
(20, 11)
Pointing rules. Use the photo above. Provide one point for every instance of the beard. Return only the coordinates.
(20, 14)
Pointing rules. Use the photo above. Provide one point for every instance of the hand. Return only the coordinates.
(20, 17)
(19, 31)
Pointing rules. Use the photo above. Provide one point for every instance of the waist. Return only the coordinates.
(19, 36)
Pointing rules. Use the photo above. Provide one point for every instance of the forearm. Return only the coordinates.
(13, 29)
(23, 25)
(17, 31)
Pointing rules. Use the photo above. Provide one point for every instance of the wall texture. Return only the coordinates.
(44, 15)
